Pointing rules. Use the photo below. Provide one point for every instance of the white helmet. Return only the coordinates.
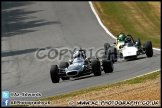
(76, 54)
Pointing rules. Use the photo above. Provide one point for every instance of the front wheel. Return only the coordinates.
(108, 66)
(96, 68)
(64, 65)
(54, 74)
(148, 48)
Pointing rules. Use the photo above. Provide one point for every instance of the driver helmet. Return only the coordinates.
(76, 54)
(127, 40)
(121, 37)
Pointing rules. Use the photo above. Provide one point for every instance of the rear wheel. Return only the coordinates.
(64, 65)
(96, 68)
(54, 74)
(148, 48)
(113, 54)
(106, 46)
(108, 66)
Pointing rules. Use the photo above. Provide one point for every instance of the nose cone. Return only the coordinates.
(74, 67)
(73, 70)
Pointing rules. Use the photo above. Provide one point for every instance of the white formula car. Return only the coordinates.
(131, 49)
(127, 49)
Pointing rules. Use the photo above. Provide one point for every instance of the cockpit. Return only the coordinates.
(129, 44)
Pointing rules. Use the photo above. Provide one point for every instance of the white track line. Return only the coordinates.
(100, 22)
(157, 49)
(140, 75)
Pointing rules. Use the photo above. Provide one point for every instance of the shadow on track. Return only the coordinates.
(19, 52)
(18, 21)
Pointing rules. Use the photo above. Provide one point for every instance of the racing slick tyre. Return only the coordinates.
(54, 74)
(148, 48)
(108, 54)
(138, 40)
(106, 46)
(96, 69)
(113, 54)
(108, 66)
(64, 65)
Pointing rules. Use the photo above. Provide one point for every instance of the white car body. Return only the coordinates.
(129, 51)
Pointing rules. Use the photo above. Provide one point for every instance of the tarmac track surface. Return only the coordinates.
(28, 26)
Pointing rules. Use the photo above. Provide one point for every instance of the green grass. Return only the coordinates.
(135, 18)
